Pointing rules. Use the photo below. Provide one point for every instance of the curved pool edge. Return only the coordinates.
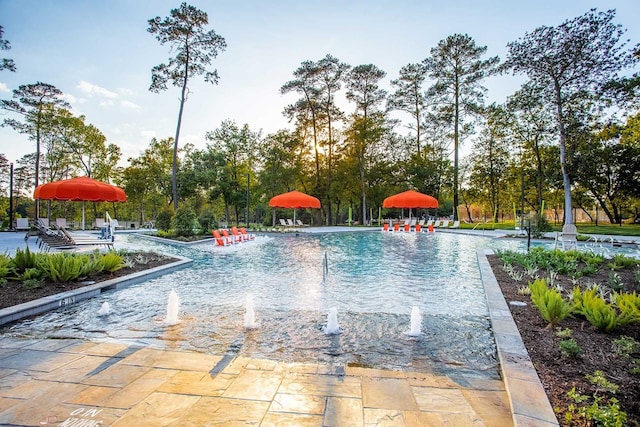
(52, 302)
(527, 397)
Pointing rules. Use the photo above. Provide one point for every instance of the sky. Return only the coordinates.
(100, 55)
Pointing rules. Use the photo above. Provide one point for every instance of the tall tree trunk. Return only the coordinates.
(566, 181)
(456, 140)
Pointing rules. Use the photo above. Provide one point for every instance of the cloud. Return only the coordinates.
(91, 89)
(4, 88)
(147, 134)
(130, 105)
(70, 98)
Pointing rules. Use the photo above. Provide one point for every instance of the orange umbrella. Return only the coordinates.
(410, 199)
(294, 200)
(80, 189)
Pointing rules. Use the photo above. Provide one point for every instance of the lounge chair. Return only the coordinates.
(61, 222)
(406, 227)
(396, 226)
(290, 223)
(283, 222)
(430, 222)
(100, 223)
(418, 228)
(421, 222)
(456, 224)
(220, 241)
(300, 223)
(22, 224)
(436, 224)
(445, 223)
(244, 233)
(385, 226)
(234, 239)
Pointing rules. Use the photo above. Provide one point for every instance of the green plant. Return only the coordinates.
(32, 283)
(629, 306)
(602, 383)
(564, 333)
(549, 302)
(61, 267)
(185, 221)
(621, 261)
(635, 367)
(598, 413)
(615, 281)
(524, 290)
(23, 260)
(112, 262)
(5, 265)
(570, 348)
(164, 234)
(163, 221)
(597, 311)
(625, 346)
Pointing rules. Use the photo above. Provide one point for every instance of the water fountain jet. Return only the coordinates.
(332, 322)
(416, 322)
(173, 307)
(250, 315)
(104, 309)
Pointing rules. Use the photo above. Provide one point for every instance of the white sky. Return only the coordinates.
(99, 53)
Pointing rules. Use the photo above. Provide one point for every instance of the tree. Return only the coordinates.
(570, 64)
(5, 63)
(368, 122)
(457, 69)
(34, 102)
(195, 48)
(409, 96)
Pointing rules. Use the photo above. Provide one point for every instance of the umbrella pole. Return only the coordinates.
(83, 215)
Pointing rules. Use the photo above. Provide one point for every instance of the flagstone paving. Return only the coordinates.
(79, 383)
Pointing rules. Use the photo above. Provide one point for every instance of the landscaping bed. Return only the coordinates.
(597, 366)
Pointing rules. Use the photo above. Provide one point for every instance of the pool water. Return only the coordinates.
(373, 279)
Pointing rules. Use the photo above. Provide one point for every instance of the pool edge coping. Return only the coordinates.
(527, 397)
(51, 302)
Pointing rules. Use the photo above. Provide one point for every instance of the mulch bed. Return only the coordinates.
(14, 293)
(559, 373)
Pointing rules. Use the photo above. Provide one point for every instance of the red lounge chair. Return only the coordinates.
(418, 228)
(385, 226)
(244, 233)
(396, 227)
(237, 235)
(220, 241)
(226, 234)
(407, 227)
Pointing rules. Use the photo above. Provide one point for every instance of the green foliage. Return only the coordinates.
(32, 283)
(30, 274)
(185, 221)
(602, 383)
(62, 267)
(598, 413)
(112, 262)
(23, 260)
(564, 333)
(163, 221)
(621, 261)
(207, 221)
(5, 265)
(597, 311)
(570, 348)
(629, 306)
(625, 346)
(549, 302)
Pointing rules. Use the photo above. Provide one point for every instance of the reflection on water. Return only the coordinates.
(374, 280)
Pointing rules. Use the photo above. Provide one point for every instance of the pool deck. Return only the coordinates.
(69, 382)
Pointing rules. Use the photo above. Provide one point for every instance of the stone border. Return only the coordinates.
(529, 402)
(52, 302)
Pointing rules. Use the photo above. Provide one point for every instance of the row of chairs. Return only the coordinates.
(289, 223)
(418, 227)
(238, 235)
(54, 237)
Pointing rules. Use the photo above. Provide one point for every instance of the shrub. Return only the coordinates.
(111, 262)
(23, 260)
(5, 265)
(163, 222)
(625, 346)
(629, 306)
(61, 267)
(553, 308)
(570, 348)
(598, 312)
(185, 221)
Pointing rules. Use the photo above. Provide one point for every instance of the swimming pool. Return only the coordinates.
(373, 279)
